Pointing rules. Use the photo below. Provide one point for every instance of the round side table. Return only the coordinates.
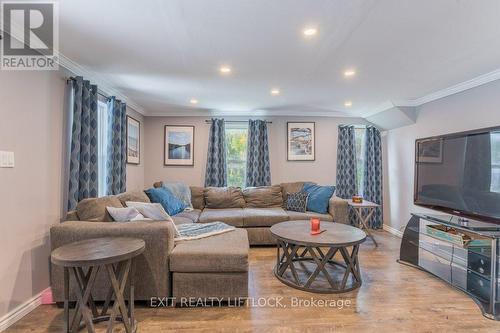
(84, 259)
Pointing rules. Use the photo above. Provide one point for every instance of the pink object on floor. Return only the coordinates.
(47, 296)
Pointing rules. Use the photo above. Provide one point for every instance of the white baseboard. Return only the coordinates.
(393, 231)
(20, 311)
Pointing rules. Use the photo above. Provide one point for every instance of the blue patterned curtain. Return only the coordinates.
(258, 166)
(373, 173)
(116, 164)
(216, 172)
(346, 163)
(83, 158)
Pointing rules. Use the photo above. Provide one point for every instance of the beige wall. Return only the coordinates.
(31, 125)
(472, 109)
(322, 170)
(31, 194)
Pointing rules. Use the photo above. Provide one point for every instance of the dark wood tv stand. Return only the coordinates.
(471, 269)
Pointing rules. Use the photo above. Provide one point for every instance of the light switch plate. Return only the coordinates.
(7, 159)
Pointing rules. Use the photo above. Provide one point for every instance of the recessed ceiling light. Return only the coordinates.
(310, 31)
(347, 104)
(349, 73)
(225, 69)
(193, 101)
(275, 91)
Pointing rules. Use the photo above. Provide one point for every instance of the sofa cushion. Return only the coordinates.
(94, 209)
(227, 252)
(167, 199)
(295, 216)
(319, 197)
(297, 201)
(197, 198)
(223, 197)
(263, 217)
(135, 196)
(193, 215)
(231, 216)
(290, 188)
(178, 220)
(125, 214)
(263, 196)
(181, 191)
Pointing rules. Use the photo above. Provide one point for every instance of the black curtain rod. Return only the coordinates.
(98, 91)
(208, 121)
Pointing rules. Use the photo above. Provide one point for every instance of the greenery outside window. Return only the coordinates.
(236, 145)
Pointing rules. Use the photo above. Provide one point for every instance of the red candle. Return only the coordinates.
(315, 224)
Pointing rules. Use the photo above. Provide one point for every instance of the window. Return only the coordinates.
(102, 146)
(495, 162)
(236, 145)
(359, 137)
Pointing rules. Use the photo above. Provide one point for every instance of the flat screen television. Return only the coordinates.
(459, 174)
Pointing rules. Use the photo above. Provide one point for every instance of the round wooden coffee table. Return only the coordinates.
(306, 261)
(115, 256)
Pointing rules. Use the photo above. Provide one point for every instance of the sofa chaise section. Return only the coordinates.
(212, 267)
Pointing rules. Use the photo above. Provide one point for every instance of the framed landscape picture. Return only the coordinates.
(301, 141)
(179, 145)
(133, 141)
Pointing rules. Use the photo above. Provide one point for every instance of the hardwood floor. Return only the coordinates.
(393, 298)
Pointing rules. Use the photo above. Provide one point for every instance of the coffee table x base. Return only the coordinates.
(291, 259)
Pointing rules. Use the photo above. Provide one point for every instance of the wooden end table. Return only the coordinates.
(305, 261)
(116, 257)
(364, 211)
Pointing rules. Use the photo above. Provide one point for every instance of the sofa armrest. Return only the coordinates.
(152, 273)
(339, 209)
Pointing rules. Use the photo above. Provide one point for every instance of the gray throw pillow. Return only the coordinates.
(297, 201)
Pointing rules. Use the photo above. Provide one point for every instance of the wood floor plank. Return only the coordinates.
(393, 298)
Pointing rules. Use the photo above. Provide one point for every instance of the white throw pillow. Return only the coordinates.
(125, 214)
(154, 211)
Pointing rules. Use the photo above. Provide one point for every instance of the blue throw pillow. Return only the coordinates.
(164, 197)
(318, 197)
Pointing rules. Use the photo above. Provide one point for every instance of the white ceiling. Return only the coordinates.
(160, 54)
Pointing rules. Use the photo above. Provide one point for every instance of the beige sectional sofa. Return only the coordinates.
(216, 266)
(254, 209)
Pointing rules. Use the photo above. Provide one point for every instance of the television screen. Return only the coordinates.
(460, 173)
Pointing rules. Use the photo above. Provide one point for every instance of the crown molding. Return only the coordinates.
(457, 88)
(75, 68)
(449, 91)
(104, 85)
(108, 88)
(251, 113)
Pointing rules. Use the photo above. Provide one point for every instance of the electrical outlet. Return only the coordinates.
(7, 159)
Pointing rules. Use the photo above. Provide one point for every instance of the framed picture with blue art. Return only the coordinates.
(179, 145)
(301, 143)
(133, 141)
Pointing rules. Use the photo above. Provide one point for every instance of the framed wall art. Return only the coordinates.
(179, 145)
(301, 141)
